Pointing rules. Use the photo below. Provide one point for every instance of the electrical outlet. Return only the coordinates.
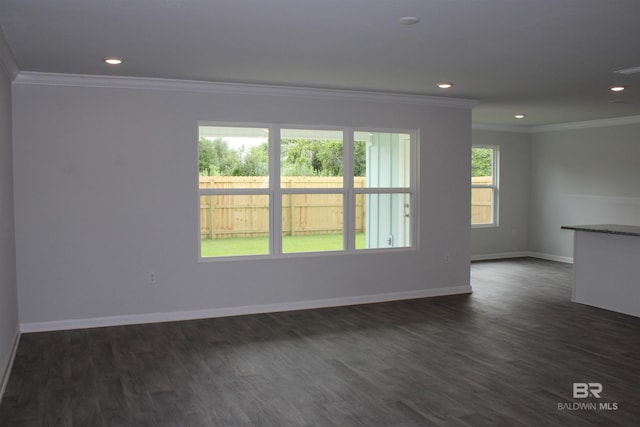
(152, 278)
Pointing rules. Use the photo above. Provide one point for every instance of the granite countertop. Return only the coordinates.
(625, 230)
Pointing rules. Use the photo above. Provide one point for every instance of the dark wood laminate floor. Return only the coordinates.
(506, 355)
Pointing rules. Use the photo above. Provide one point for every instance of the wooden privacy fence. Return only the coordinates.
(481, 201)
(223, 216)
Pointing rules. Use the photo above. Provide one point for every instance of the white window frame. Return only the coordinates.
(346, 187)
(276, 192)
(495, 187)
(412, 189)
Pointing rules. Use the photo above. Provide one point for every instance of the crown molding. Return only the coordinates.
(120, 82)
(501, 128)
(7, 61)
(616, 121)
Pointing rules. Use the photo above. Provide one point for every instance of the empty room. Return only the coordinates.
(319, 213)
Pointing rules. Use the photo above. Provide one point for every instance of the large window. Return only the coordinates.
(271, 190)
(484, 186)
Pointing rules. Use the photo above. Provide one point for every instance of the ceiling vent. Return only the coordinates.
(632, 70)
(623, 101)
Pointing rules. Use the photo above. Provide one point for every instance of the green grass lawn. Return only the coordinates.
(260, 245)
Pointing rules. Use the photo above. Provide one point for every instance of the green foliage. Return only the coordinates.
(360, 158)
(307, 157)
(299, 157)
(481, 161)
(217, 158)
(255, 162)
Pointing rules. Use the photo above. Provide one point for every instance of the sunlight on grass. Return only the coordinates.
(260, 245)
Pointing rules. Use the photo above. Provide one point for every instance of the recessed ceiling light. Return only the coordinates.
(519, 116)
(445, 85)
(113, 60)
(408, 20)
(617, 88)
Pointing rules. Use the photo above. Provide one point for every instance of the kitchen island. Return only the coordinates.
(606, 266)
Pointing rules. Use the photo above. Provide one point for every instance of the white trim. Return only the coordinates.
(501, 128)
(7, 60)
(97, 322)
(121, 82)
(522, 254)
(6, 368)
(503, 255)
(550, 257)
(276, 192)
(617, 121)
(495, 187)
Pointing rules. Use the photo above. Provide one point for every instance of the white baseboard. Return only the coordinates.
(96, 322)
(5, 369)
(504, 255)
(550, 257)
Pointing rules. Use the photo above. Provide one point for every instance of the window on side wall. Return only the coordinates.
(282, 190)
(484, 186)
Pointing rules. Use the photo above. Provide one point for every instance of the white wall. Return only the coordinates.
(582, 176)
(105, 191)
(8, 290)
(511, 237)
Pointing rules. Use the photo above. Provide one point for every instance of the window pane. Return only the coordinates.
(233, 225)
(233, 157)
(482, 206)
(383, 159)
(314, 154)
(482, 166)
(386, 221)
(312, 222)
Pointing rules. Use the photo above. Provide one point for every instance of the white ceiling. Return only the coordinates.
(553, 60)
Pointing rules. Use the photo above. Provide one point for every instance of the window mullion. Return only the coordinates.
(319, 190)
(349, 198)
(382, 190)
(232, 191)
(414, 160)
(275, 192)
